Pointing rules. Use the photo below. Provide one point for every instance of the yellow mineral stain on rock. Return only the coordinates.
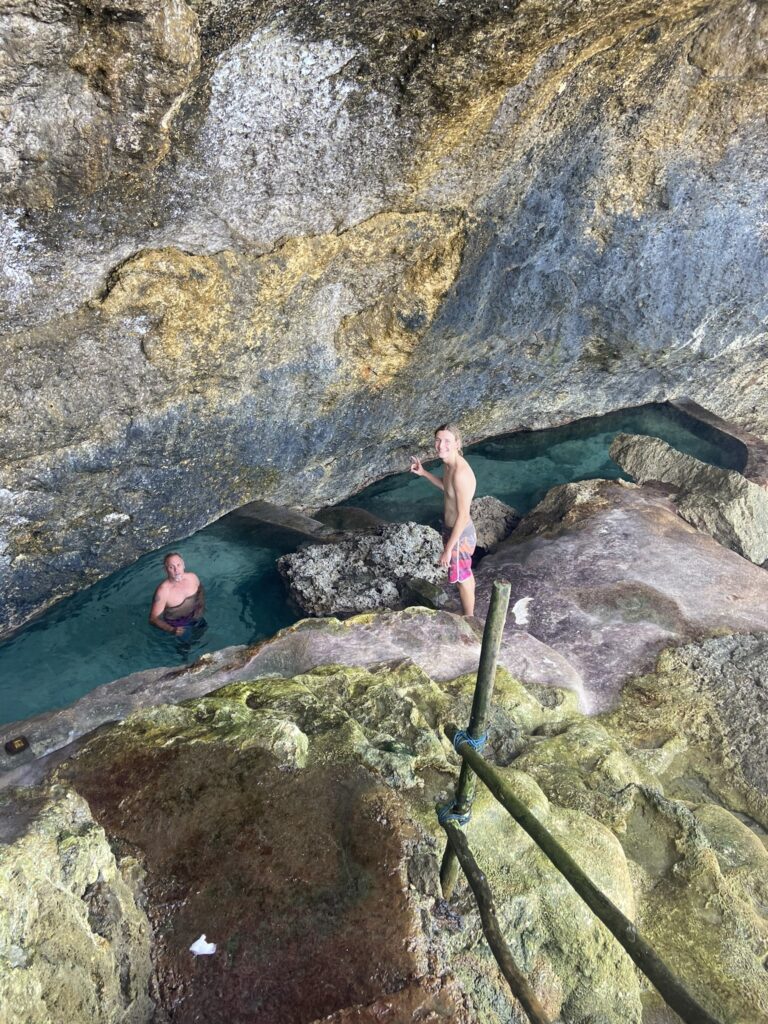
(366, 296)
(718, 83)
(186, 303)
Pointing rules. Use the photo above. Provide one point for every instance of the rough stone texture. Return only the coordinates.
(295, 818)
(74, 937)
(441, 643)
(364, 572)
(615, 575)
(89, 92)
(494, 521)
(732, 674)
(369, 216)
(721, 502)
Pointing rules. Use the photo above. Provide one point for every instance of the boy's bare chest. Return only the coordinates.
(448, 485)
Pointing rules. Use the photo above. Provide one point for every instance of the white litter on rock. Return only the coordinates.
(202, 948)
(520, 610)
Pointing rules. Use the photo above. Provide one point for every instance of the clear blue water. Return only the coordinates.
(520, 468)
(102, 633)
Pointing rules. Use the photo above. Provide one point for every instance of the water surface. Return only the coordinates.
(102, 633)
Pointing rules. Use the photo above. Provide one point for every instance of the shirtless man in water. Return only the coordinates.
(178, 602)
(458, 487)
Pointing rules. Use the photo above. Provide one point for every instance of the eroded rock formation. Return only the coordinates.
(260, 249)
(293, 820)
(614, 575)
(374, 570)
(74, 935)
(717, 501)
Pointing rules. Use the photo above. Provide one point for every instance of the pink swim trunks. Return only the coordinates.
(460, 567)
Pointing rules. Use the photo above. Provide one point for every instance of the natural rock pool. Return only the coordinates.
(103, 634)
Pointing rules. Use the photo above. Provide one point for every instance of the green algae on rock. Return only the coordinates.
(293, 820)
(74, 936)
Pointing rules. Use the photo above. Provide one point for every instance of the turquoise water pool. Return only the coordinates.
(102, 633)
(520, 468)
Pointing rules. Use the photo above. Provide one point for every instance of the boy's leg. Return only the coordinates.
(467, 595)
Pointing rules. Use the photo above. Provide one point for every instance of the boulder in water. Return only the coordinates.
(363, 572)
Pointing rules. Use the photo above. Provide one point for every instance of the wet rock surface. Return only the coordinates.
(364, 572)
(441, 643)
(721, 502)
(615, 574)
(292, 820)
(349, 216)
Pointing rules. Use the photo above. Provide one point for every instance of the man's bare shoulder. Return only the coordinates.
(161, 590)
(463, 472)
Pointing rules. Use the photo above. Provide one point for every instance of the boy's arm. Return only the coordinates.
(418, 469)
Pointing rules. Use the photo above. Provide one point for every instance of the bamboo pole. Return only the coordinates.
(486, 675)
(501, 951)
(671, 989)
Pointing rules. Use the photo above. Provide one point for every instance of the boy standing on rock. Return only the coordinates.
(458, 486)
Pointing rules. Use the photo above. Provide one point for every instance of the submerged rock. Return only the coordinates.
(364, 572)
(721, 502)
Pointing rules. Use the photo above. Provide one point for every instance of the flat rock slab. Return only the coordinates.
(721, 502)
(614, 574)
(443, 644)
(298, 878)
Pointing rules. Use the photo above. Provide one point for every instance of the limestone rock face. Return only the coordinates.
(295, 817)
(614, 575)
(74, 938)
(720, 502)
(494, 521)
(730, 673)
(270, 273)
(89, 92)
(364, 572)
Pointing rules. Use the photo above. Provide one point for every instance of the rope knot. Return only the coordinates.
(462, 736)
(446, 813)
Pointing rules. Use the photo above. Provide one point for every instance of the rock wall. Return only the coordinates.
(258, 250)
(292, 819)
(74, 935)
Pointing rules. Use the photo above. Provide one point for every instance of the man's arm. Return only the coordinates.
(200, 605)
(156, 612)
(418, 469)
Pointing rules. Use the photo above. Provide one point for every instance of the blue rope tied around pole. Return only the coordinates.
(462, 736)
(447, 813)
